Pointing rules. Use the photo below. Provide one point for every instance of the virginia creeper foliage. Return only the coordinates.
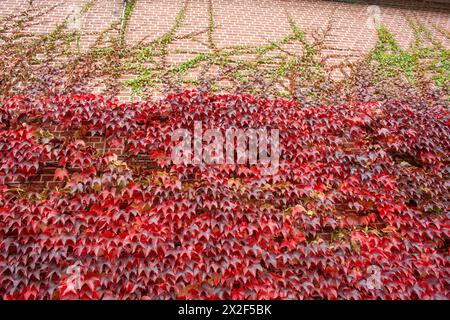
(359, 185)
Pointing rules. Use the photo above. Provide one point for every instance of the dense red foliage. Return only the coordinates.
(358, 186)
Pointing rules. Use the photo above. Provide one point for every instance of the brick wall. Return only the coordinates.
(246, 22)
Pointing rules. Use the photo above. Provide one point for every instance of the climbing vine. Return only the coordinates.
(127, 10)
(413, 62)
(359, 186)
(92, 207)
(54, 63)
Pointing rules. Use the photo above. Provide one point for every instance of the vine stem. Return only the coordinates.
(122, 18)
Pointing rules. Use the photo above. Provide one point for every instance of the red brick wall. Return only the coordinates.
(248, 22)
(241, 22)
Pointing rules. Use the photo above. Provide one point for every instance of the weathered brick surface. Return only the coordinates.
(246, 22)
